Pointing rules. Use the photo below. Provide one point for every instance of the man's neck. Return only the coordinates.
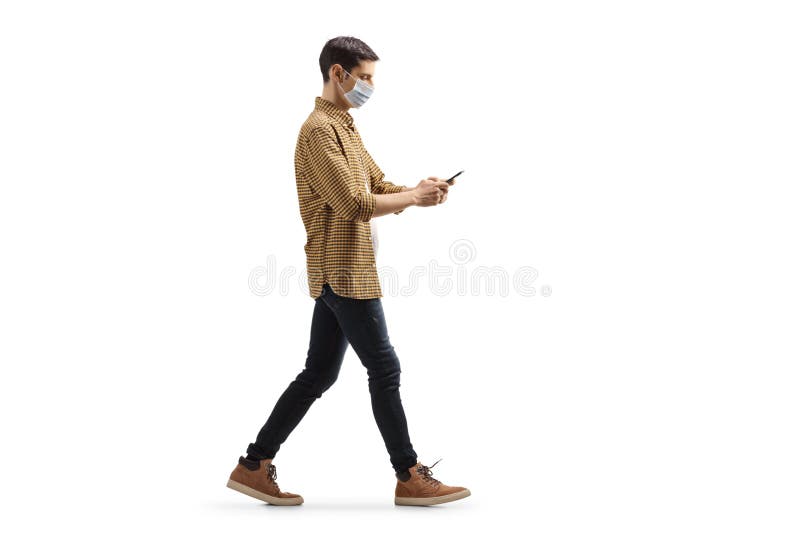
(330, 94)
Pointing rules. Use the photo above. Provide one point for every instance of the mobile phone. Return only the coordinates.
(450, 180)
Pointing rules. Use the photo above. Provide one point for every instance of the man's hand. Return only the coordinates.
(430, 191)
(444, 197)
(445, 189)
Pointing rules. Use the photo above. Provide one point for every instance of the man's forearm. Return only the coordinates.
(392, 202)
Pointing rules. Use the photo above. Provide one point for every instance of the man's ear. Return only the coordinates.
(334, 75)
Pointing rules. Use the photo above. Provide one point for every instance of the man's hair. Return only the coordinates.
(347, 52)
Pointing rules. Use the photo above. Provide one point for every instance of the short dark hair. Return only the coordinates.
(347, 52)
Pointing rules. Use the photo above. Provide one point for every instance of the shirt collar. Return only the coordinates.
(330, 108)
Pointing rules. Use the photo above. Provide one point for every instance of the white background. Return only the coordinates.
(641, 156)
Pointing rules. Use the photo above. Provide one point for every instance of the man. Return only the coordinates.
(341, 190)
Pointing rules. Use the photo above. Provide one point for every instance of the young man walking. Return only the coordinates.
(341, 190)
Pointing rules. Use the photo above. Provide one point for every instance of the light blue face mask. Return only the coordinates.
(358, 94)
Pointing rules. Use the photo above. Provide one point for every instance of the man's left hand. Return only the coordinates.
(445, 186)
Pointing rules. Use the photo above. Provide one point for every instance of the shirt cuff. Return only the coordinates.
(388, 189)
(367, 207)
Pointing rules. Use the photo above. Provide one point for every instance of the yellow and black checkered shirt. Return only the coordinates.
(331, 170)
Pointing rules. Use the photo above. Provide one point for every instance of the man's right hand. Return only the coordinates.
(429, 192)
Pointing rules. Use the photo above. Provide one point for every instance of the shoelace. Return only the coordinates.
(427, 474)
(272, 473)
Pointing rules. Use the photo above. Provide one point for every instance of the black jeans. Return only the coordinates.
(337, 322)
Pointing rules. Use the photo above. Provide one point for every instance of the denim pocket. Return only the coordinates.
(331, 298)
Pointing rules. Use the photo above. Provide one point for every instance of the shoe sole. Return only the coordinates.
(247, 490)
(439, 499)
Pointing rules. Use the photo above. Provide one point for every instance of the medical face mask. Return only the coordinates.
(358, 94)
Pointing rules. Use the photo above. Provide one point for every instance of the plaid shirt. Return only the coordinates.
(331, 169)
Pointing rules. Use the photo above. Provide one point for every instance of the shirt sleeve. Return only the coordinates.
(329, 176)
(378, 184)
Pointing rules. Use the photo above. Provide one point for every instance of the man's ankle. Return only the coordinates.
(402, 475)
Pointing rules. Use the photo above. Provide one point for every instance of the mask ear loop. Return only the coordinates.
(349, 76)
(341, 82)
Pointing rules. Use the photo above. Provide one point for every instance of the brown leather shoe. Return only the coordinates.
(257, 479)
(422, 489)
